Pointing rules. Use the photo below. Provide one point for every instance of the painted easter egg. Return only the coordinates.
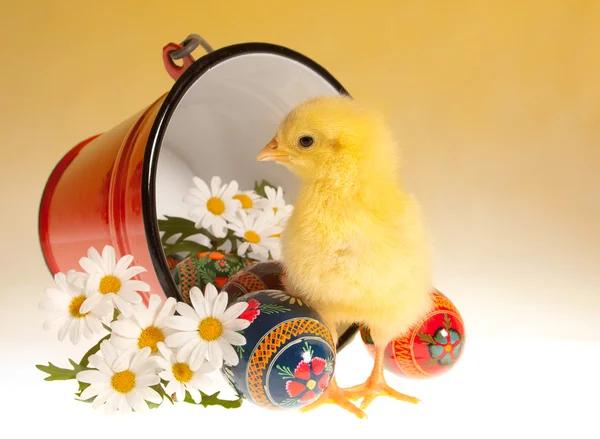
(204, 268)
(289, 357)
(255, 277)
(429, 348)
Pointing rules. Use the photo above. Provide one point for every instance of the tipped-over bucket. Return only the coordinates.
(112, 188)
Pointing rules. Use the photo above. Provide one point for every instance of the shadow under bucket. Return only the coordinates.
(112, 188)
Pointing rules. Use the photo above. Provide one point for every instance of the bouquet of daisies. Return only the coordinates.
(224, 218)
(145, 352)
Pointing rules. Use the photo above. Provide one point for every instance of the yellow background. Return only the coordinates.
(497, 105)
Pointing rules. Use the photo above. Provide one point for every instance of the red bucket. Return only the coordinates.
(112, 188)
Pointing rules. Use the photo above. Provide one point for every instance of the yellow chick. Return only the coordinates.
(356, 247)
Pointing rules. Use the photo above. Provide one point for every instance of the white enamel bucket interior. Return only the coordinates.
(223, 121)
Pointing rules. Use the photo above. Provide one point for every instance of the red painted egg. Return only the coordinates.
(430, 348)
(255, 277)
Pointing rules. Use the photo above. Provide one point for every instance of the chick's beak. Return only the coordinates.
(272, 153)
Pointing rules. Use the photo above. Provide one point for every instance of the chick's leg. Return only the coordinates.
(333, 394)
(375, 385)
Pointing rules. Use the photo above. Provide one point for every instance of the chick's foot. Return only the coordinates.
(334, 395)
(373, 388)
(376, 386)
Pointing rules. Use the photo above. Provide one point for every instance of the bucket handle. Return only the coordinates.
(174, 51)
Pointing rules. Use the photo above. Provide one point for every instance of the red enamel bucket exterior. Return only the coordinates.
(93, 198)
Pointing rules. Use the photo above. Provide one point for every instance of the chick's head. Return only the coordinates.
(325, 133)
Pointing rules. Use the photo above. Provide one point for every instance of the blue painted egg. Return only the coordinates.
(289, 356)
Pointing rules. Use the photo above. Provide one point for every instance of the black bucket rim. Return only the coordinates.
(157, 132)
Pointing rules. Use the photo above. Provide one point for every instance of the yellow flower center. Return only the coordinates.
(448, 348)
(182, 372)
(210, 329)
(215, 205)
(252, 237)
(311, 384)
(123, 382)
(74, 306)
(149, 337)
(275, 209)
(245, 200)
(110, 284)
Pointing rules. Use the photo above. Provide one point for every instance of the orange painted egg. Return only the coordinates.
(430, 348)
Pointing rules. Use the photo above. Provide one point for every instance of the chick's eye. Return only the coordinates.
(306, 141)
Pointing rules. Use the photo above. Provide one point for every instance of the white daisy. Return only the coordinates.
(145, 328)
(180, 376)
(215, 204)
(64, 306)
(276, 202)
(122, 380)
(257, 233)
(251, 202)
(209, 328)
(112, 281)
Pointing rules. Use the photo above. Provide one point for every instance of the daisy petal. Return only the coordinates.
(215, 354)
(234, 338)
(202, 187)
(198, 355)
(92, 376)
(180, 323)
(124, 406)
(234, 311)
(126, 328)
(215, 186)
(195, 394)
(168, 309)
(197, 299)
(89, 392)
(108, 257)
(220, 305)
(138, 285)
(236, 324)
(150, 395)
(135, 400)
(180, 338)
(210, 296)
(112, 403)
(101, 398)
(140, 357)
(89, 303)
(63, 330)
(121, 267)
(123, 306)
(187, 311)
(229, 354)
(90, 266)
(147, 380)
(185, 351)
(100, 363)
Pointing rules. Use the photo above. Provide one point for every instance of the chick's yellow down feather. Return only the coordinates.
(356, 247)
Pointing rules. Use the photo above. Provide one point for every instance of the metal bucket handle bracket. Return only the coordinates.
(174, 51)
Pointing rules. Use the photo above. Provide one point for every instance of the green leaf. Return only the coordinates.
(214, 400)
(185, 228)
(259, 188)
(56, 373)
